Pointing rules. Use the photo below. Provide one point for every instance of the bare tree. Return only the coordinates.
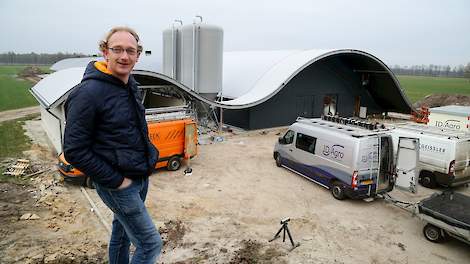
(447, 70)
(34, 58)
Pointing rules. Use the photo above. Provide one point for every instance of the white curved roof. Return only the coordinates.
(251, 77)
(72, 63)
(267, 74)
(56, 85)
(243, 69)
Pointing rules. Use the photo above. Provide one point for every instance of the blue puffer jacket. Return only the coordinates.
(106, 135)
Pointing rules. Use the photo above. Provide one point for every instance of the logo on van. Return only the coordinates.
(431, 148)
(335, 151)
(453, 124)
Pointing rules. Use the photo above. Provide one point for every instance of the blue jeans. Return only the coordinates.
(131, 223)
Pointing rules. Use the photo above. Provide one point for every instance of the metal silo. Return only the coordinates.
(201, 58)
(172, 50)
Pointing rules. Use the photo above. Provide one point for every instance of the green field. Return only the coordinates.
(13, 141)
(14, 92)
(417, 87)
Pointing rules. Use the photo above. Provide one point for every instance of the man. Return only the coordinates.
(106, 137)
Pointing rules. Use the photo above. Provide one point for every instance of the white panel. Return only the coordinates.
(407, 162)
(363, 112)
(452, 110)
(52, 127)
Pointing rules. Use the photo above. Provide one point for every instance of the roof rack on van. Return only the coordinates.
(351, 126)
(353, 122)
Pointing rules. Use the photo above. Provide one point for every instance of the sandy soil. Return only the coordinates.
(237, 193)
(229, 208)
(65, 231)
(233, 202)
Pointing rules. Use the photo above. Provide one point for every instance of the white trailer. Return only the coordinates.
(450, 116)
(443, 215)
(444, 154)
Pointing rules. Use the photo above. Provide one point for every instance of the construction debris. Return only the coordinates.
(18, 168)
(172, 233)
(217, 138)
(34, 217)
(30, 216)
(25, 216)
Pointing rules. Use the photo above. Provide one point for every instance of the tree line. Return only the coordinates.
(433, 70)
(420, 70)
(35, 58)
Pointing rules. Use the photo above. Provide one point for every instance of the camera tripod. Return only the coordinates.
(285, 228)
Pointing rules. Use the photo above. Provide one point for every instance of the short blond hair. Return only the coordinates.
(103, 45)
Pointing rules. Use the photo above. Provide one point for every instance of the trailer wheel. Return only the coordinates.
(427, 179)
(337, 191)
(433, 233)
(278, 159)
(89, 183)
(174, 163)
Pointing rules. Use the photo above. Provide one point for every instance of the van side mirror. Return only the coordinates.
(282, 140)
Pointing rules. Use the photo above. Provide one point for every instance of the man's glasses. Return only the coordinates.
(119, 50)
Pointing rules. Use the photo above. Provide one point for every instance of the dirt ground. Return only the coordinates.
(435, 100)
(225, 212)
(64, 231)
(18, 113)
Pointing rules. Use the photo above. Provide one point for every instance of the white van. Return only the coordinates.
(444, 154)
(351, 158)
(450, 116)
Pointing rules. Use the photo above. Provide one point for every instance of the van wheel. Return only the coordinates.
(433, 233)
(337, 191)
(89, 183)
(278, 160)
(427, 179)
(174, 163)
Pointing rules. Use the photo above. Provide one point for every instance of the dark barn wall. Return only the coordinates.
(239, 118)
(304, 95)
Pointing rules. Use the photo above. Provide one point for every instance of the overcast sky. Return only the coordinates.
(397, 31)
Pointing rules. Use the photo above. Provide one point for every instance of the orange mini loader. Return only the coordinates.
(175, 139)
